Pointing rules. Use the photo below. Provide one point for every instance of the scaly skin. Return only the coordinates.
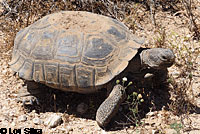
(110, 106)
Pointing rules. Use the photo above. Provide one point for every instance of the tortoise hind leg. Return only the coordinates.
(28, 94)
(110, 106)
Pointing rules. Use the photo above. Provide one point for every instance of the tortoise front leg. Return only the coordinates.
(110, 106)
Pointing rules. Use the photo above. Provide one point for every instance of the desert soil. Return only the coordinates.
(13, 115)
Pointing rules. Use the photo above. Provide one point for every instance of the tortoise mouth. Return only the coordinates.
(166, 64)
(160, 65)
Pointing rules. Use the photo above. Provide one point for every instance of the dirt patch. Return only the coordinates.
(168, 113)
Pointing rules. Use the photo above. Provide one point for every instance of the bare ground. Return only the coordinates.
(173, 31)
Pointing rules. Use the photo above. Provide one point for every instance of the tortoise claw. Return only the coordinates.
(28, 94)
(30, 100)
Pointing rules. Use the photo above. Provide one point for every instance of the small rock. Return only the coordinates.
(150, 114)
(53, 121)
(103, 131)
(132, 127)
(37, 121)
(4, 72)
(22, 118)
(12, 113)
(82, 108)
(13, 124)
(69, 128)
(175, 73)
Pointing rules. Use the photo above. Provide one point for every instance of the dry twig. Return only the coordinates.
(192, 25)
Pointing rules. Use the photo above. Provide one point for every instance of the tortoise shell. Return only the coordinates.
(73, 49)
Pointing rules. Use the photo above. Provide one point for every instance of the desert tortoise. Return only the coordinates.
(82, 52)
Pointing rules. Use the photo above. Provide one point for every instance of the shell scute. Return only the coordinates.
(73, 49)
(118, 35)
(68, 48)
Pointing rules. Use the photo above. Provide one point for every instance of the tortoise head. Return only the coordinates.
(157, 58)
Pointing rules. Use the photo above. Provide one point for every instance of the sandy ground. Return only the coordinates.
(13, 115)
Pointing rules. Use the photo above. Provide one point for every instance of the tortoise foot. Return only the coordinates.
(30, 100)
(28, 94)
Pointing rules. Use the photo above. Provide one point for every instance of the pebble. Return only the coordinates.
(103, 132)
(82, 108)
(37, 121)
(175, 73)
(13, 124)
(22, 118)
(12, 113)
(69, 128)
(150, 113)
(53, 121)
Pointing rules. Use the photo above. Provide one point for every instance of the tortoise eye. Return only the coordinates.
(164, 57)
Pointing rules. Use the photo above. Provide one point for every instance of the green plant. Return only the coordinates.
(176, 126)
(133, 101)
